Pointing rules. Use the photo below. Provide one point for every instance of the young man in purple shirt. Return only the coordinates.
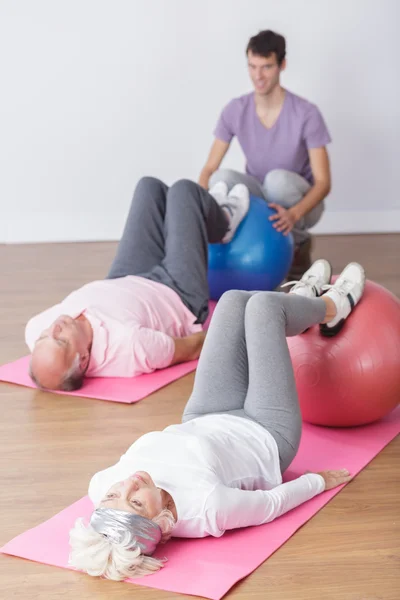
(284, 140)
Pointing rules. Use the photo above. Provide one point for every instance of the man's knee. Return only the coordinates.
(277, 185)
(146, 183)
(149, 188)
(185, 193)
(184, 189)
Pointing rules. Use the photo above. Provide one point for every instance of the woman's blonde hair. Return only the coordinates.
(98, 556)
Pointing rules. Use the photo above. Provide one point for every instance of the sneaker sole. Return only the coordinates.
(332, 331)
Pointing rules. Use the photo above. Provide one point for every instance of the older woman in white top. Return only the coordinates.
(222, 467)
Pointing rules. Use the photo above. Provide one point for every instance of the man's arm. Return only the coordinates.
(188, 348)
(319, 161)
(217, 153)
(285, 219)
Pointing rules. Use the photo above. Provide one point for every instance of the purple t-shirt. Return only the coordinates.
(285, 145)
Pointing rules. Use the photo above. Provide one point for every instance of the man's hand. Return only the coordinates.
(188, 348)
(284, 220)
(334, 478)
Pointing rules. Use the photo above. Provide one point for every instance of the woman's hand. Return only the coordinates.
(284, 219)
(334, 478)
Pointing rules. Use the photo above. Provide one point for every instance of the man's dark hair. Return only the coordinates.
(266, 43)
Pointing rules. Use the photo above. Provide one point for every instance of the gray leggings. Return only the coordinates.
(245, 367)
(279, 186)
(166, 239)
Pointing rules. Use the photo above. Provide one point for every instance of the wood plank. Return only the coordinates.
(50, 446)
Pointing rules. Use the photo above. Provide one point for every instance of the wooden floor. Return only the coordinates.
(50, 446)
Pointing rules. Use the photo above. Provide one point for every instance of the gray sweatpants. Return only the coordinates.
(281, 187)
(245, 367)
(166, 239)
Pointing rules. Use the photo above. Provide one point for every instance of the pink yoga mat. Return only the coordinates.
(115, 389)
(210, 567)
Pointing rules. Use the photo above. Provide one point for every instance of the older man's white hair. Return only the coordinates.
(72, 380)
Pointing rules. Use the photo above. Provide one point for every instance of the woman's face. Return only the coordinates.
(137, 494)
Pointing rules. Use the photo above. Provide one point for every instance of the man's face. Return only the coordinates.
(264, 72)
(56, 350)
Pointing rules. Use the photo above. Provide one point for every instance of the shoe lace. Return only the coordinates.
(308, 280)
(341, 286)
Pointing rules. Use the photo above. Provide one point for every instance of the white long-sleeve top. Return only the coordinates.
(222, 472)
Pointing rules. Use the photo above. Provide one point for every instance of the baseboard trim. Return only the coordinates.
(97, 228)
(351, 222)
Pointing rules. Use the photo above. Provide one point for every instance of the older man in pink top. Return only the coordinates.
(148, 313)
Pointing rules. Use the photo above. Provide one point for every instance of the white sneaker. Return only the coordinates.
(345, 293)
(236, 207)
(312, 283)
(219, 192)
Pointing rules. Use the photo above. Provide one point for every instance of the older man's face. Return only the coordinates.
(55, 351)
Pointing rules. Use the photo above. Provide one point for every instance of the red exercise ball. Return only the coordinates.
(354, 377)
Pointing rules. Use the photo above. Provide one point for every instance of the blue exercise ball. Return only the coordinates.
(258, 257)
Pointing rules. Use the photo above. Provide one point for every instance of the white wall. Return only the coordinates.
(97, 93)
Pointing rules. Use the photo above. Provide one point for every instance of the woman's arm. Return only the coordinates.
(231, 508)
